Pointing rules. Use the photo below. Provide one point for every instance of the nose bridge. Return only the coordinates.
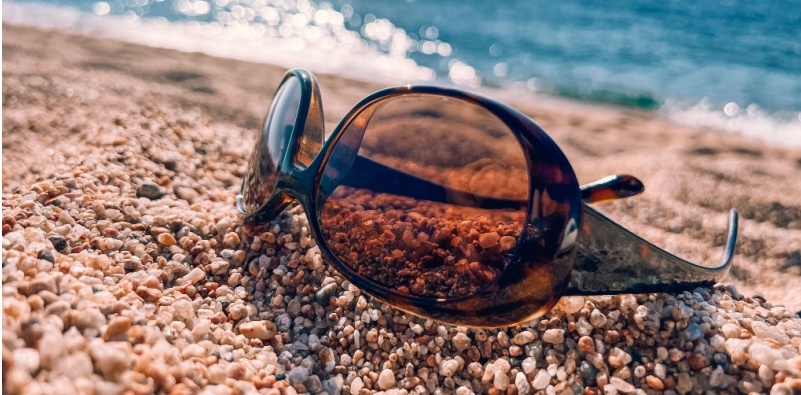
(298, 183)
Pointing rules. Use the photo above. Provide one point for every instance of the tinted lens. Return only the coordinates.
(271, 142)
(402, 233)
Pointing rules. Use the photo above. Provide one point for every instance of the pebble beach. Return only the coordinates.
(126, 269)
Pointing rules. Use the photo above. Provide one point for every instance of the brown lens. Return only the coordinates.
(262, 173)
(417, 246)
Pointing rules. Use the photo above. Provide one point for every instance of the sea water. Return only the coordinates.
(734, 65)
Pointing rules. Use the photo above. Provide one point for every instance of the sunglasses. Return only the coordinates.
(452, 206)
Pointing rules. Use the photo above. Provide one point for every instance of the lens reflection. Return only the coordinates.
(262, 173)
(410, 210)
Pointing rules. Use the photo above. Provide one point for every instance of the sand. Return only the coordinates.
(87, 122)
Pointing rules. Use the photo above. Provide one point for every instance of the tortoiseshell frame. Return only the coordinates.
(542, 268)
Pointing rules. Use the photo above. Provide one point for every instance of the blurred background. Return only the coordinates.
(732, 65)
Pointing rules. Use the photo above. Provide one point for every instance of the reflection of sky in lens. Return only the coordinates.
(282, 118)
(732, 64)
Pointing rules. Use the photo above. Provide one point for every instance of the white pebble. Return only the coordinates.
(463, 390)
(521, 382)
(529, 365)
(501, 380)
(356, 386)
(503, 365)
(489, 372)
(461, 341)
(386, 379)
(27, 359)
(622, 385)
(597, 319)
(764, 354)
(193, 276)
(523, 338)
(264, 330)
(541, 380)
(448, 367)
(731, 331)
(660, 370)
(554, 336)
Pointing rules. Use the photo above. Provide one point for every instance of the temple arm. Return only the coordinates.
(612, 260)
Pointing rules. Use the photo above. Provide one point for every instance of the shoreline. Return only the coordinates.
(169, 292)
(777, 128)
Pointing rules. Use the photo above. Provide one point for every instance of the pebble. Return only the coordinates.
(618, 358)
(661, 353)
(356, 386)
(716, 377)
(736, 348)
(597, 319)
(554, 336)
(675, 355)
(522, 384)
(622, 385)
(523, 338)
(571, 304)
(529, 365)
(264, 330)
(488, 240)
(59, 242)
(660, 371)
(448, 367)
(586, 344)
(489, 373)
(764, 354)
(654, 382)
(463, 390)
(503, 339)
(325, 293)
(298, 375)
(685, 383)
(501, 380)
(692, 333)
(764, 331)
(386, 379)
(730, 331)
(541, 380)
(231, 240)
(150, 191)
(193, 277)
(507, 243)
(166, 239)
(461, 341)
(647, 320)
(117, 327)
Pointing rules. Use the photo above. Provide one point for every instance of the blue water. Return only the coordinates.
(735, 64)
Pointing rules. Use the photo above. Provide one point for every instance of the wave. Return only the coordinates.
(783, 128)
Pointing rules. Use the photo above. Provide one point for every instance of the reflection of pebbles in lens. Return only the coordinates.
(418, 247)
(421, 247)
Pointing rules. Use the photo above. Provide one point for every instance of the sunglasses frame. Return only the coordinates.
(562, 249)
